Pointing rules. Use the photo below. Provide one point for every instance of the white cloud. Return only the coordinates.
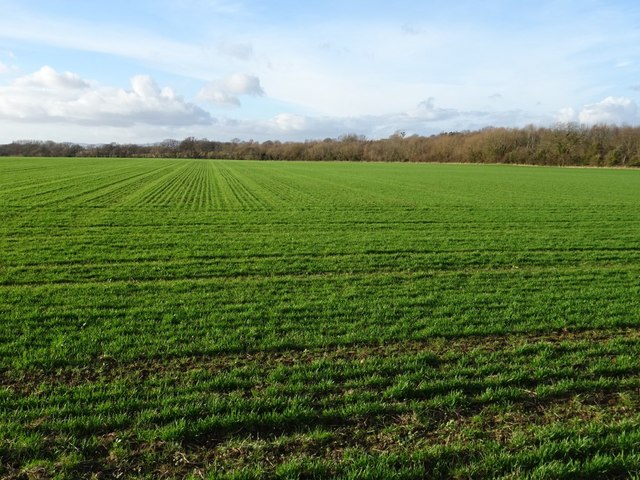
(240, 51)
(151, 48)
(611, 110)
(289, 122)
(425, 119)
(3, 68)
(427, 111)
(214, 95)
(242, 84)
(566, 115)
(48, 78)
(49, 96)
(227, 91)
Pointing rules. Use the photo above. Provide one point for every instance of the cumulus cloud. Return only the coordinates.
(428, 111)
(611, 110)
(566, 115)
(425, 119)
(227, 90)
(242, 84)
(48, 78)
(50, 96)
(290, 122)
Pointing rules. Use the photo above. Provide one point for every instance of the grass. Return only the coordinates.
(176, 318)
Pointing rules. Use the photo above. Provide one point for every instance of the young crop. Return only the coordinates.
(220, 319)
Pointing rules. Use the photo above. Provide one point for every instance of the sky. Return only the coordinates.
(141, 71)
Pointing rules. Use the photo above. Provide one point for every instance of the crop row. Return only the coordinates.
(478, 399)
(166, 318)
(68, 324)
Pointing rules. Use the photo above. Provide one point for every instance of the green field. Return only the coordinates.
(167, 318)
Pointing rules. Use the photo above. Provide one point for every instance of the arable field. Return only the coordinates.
(172, 318)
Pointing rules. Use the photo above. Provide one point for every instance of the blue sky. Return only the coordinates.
(144, 71)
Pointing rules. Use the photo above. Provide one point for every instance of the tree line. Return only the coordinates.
(567, 145)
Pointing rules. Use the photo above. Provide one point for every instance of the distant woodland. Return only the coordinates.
(562, 145)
